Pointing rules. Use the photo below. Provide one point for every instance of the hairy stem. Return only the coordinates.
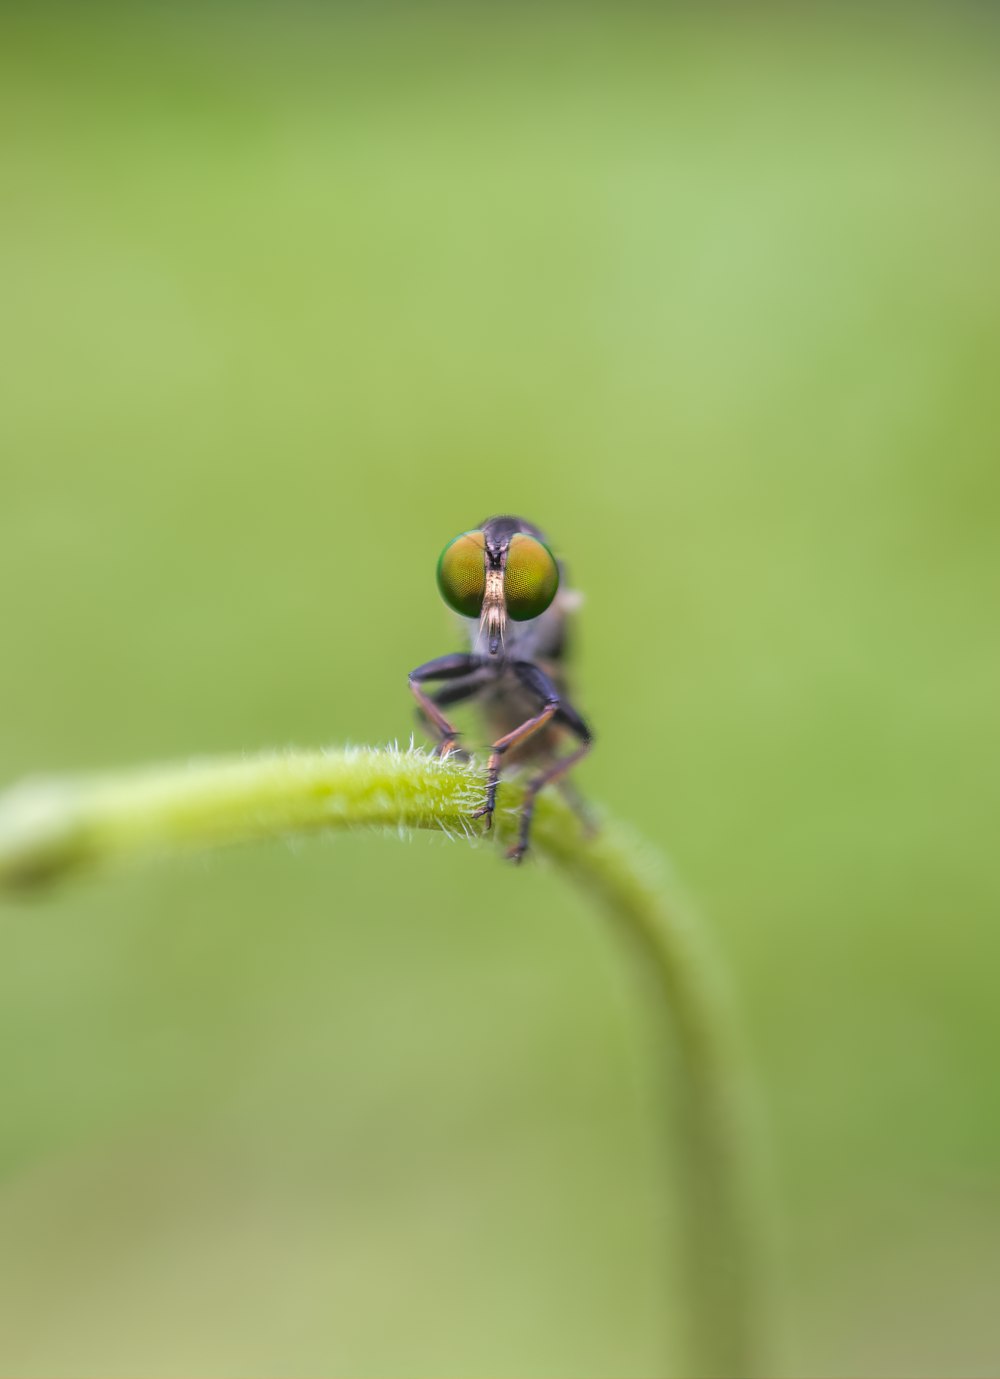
(50, 828)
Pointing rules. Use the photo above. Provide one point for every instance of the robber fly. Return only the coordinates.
(507, 586)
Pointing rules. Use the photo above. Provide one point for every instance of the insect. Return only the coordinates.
(507, 586)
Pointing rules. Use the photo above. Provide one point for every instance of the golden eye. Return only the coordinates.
(461, 573)
(530, 579)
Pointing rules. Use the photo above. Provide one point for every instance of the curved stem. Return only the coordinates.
(51, 828)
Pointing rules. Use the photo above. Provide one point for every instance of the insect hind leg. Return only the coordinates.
(549, 776)
(580, 807)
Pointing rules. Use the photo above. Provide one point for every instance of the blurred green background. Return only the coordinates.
(290, 296)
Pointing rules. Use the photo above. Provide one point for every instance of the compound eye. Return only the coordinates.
(530, 579)
(461, 573)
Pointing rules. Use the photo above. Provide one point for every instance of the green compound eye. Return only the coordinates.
(531, 578)
(461, 573)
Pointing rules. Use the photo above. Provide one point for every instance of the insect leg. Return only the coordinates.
(455, 693)
(458, 691)
(454, 667)
(578, 804)
(539, 683)
(546, 777)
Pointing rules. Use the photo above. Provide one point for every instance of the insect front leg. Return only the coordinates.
(454, 668)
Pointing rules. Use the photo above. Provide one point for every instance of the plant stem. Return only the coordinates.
(51, 828)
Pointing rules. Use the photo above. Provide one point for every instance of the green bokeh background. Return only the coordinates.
(289, 297)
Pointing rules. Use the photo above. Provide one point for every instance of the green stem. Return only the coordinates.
(51, 828)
